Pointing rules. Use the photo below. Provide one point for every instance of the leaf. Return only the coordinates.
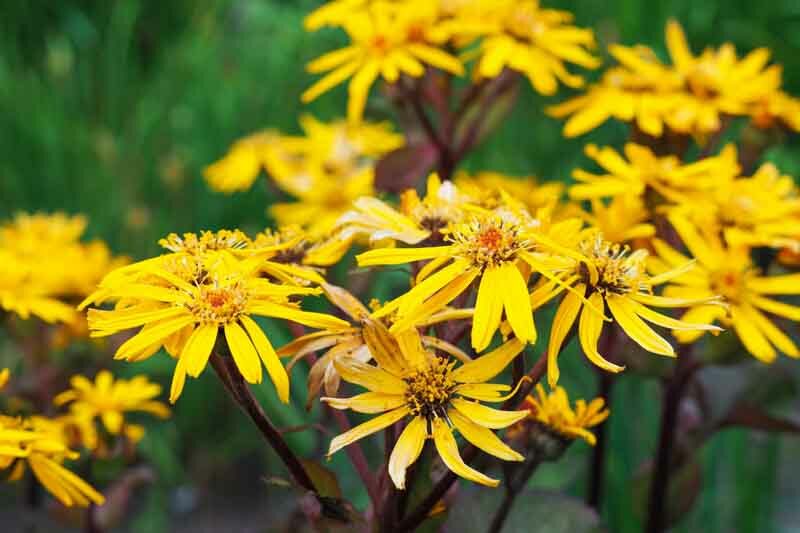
(323, 478)
(403, 168)
(550, 511)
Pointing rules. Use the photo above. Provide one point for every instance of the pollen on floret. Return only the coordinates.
(618, 271)
(429, 390)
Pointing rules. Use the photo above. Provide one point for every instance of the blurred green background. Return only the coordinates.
(112, 109)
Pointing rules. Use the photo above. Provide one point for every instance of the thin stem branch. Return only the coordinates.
(514, 484)
(597, 466)
(605, 382)
(357, 458)
(390, 503)
(502, 83)
(236, 386)
(685, 368)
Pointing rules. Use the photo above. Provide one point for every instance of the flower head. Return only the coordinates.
(435, 398)
(184, 300)
(386, 40)
(41, 444)
(553, 412)
(108, 400)
(614, 276)
(728, 270)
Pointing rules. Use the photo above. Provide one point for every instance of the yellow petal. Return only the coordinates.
(368, 376)
(488, 366)
(488, 309)
(358, 90)
(517, 302)
(782, 341)
(244, 354)
(487, 416)
(178, 381)
(482, 437)
(401, 256)
(752, 339)
(270, 359)
(562, 323)
(198, 348)
(367, 428)
(448, 451)
(368, 402)
(407, 449)
(635, 327)
(589, 328)
(789, 284)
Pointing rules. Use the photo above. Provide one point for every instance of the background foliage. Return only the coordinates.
(113, 108)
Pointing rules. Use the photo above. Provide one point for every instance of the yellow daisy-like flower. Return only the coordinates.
(624, 219)
(774, 109)
(613, 277)
(240, 167)
(183, 302)
(533, 41)
(729, 271)
(762, 210)
(387, 41)
(109, 400)
(40, 443)
(641, 170)
(435, 398)
(492, 247)
(689, 96)
(554, 412)
(38, 254)
(353, 342)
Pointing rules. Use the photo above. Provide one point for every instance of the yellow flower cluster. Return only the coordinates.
(326, 168)
(107, 400)
(392, 39)
(692, 95)
(38, 258)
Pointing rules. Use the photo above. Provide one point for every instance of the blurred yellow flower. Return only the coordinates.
(41, 444)
(386, 40)
(536, 42)
(624, 219)
(689, 96)
(410, 383)
(38, 254)
(728, 271)
(641, 171)
(108, 400)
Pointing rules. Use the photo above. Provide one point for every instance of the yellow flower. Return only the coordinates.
(762, 210)
(554, 411)
(4, 375)
(612, 277)
(536, 42)
(624, 219)
(641, 171)
(493, 189)
(435, 398)
(490, 246)
(183, 301)
(240, 167)
(352, 342)
(109, 400)
(417, 220)
(333, 13)
(38, 254)
(728, 271)
(40, 443)
(776, 108)
(688, 96)
(387, 40)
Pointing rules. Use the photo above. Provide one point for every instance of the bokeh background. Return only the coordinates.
(113, 108)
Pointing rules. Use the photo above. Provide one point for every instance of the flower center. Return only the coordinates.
(220, 305)
(428, 391)
(617, 272)
(729, 284)
(488, 242)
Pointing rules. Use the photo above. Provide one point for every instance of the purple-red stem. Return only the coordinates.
(356, 455)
